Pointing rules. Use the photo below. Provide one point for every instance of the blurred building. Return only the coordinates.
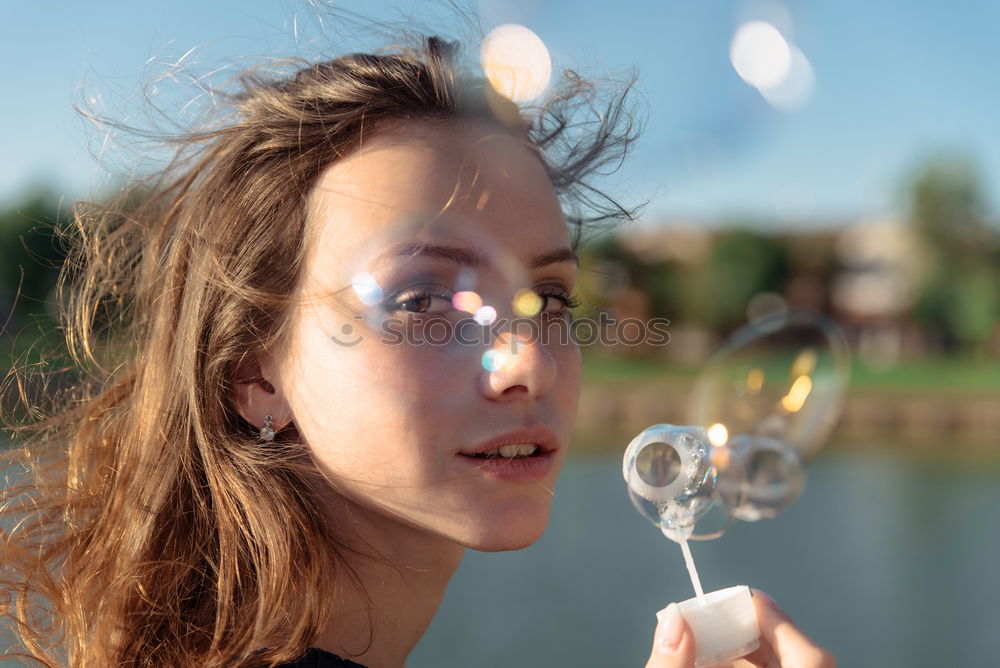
(882, 267)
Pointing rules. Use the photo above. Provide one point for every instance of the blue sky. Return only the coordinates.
(896, 82)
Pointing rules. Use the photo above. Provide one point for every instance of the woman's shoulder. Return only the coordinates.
(320, 658)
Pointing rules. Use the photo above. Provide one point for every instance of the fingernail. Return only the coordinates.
(669, 630)
(765, 599)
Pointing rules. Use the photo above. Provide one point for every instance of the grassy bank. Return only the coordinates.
(932, 375)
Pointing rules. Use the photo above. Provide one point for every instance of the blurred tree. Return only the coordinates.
(712, 293)
(742, 264)
(948, 206)
(30, 257)
(959, 302)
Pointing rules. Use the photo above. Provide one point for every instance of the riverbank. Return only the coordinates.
(963, 421)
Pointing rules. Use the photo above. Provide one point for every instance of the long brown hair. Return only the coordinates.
(146, 523)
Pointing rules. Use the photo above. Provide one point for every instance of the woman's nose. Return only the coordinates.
(517, 367)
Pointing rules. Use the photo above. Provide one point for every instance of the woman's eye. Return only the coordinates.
(422, 302)
(557, 302)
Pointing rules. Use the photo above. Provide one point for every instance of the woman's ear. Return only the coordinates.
(255, 395)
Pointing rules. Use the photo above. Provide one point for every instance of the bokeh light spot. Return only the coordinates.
(467, 300)
(805, 363)
(797, 394)
(720, 457)
(760, 55)
(527, 303)
(494, 360)
(516, 62)
(485, 315)
(718, 434)
(796, 89)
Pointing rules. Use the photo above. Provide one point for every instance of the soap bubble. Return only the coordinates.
(782, 376)
(764, 403)
(761, 477)
(672, 481)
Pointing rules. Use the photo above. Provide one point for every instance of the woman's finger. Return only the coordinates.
(782, 644)
(673, 642)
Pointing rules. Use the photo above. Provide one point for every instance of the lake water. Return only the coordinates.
(886, 560)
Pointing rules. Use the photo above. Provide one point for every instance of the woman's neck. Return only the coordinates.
(403, 587)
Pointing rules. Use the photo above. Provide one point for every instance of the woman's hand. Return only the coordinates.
(782, 644)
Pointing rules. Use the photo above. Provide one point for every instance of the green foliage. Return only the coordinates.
(742, 263)
(959, 301)
(948, 207)
(30, 258)
(714, 294)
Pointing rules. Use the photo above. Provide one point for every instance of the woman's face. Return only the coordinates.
(392, 424)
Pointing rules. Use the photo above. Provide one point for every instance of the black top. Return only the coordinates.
(320, 658)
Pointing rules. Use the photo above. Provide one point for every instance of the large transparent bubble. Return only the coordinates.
(763, 404)
(782, 376)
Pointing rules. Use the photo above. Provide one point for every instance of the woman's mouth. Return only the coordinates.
(520, 455)
(515, 462)
(510, 451)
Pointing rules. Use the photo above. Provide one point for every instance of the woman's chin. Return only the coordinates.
(516, 534)
(502, 544)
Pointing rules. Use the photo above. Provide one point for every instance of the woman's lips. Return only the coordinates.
(543, 437)
(513, 469)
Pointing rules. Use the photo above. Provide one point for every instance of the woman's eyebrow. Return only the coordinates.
(469, 258)
(555, 257)
(455, 254)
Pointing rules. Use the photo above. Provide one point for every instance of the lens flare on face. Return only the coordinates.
(760, 55)
(467, 300)
(516, 62)
(495, 360)
(485, 315)
(527, 303)
(366, 288)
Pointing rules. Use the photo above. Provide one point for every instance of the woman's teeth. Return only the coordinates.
(511, 451)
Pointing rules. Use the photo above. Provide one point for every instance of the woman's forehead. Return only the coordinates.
(436, 164)
(432, 173)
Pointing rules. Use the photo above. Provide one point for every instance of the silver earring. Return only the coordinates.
(266, 433)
